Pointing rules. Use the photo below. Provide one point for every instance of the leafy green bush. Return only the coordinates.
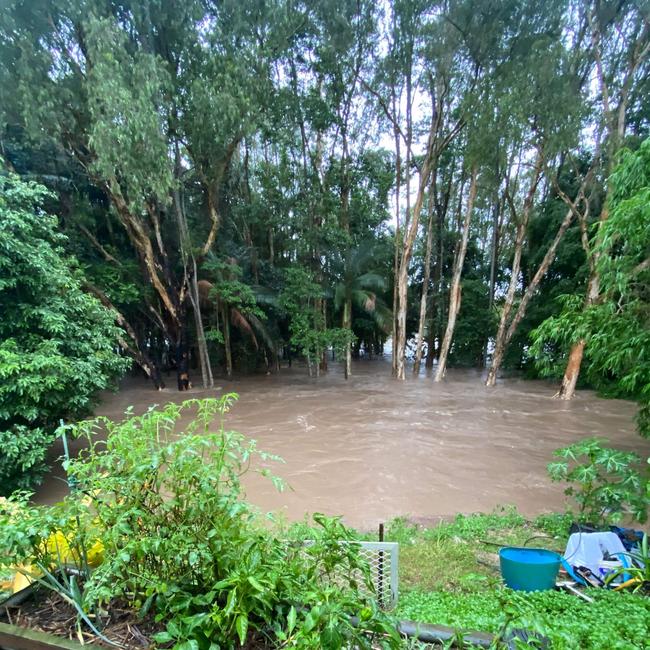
(606, 483)
(555, 524)
(57, 343)
(178, 539)
(307, 326)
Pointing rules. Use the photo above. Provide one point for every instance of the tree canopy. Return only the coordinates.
(245, 183)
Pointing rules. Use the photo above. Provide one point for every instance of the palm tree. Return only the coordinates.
(357, 286)
(234, 303)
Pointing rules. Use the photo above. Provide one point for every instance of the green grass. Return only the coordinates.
(461, 555)
(449, 575)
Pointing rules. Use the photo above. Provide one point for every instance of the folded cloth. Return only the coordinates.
(588, 549)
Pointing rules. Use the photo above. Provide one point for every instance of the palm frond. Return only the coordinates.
(383, 316)
(372, 281)
(364, 300)
(263, 332)
(239, 321)
(375, 307)
(265, 295)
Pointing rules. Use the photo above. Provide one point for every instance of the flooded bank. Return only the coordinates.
(373, 448)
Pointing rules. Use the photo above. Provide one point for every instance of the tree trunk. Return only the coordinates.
(500, 342)
(455, 291)
(201, 344)
(436, 327)
(347, 325)
(182, 362)
(502, 338)
(572, 371)
(190, 260)
(431, 344)
(526, 298)
(138, 236)
(147, 364)
(226, 340)
(398, 184)
(425, 287)
(494, 256)
(407, 249)
(323, 356)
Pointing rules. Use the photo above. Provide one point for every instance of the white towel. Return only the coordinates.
(588, 549)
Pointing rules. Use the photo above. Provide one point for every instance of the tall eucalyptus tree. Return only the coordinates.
(123, 86)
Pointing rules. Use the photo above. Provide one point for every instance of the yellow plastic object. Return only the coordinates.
(628, 583)
(58, 546)
(21, 581)
(96, 554)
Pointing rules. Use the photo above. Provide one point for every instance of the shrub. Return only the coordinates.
(605, 483)
(57, 343)
(178, 539)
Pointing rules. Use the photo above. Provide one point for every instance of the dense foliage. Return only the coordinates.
(245, 183)
(58, 345)
(617, 326)
(163, 520)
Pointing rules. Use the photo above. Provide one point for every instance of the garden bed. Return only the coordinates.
(39, 619)
(48, 612)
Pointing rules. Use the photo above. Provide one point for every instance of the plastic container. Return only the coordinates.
(529, 569)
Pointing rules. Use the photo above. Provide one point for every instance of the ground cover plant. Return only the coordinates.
(157, 521)
(613, 621)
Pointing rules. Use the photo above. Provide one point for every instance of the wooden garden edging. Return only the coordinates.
(13, 637)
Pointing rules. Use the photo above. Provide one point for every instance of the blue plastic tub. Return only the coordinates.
(529, 569)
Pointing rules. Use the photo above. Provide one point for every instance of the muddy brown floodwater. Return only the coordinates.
(373, 448)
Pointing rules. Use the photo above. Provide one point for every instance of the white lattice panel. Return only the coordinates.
(383, 560)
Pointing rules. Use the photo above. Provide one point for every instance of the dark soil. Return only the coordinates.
(49, 612)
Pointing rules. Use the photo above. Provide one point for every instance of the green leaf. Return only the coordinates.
(241, 625)
(291, 619)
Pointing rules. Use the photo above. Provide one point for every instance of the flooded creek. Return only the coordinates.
(373, 448)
